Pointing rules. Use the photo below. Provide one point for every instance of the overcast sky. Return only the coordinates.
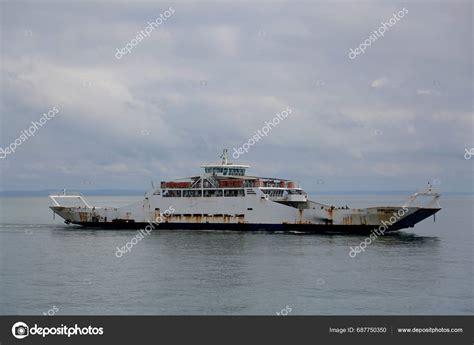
(209, 76)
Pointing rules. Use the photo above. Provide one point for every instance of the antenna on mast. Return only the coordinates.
(224, 157)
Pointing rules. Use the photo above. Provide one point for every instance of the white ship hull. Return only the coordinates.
(216, 202)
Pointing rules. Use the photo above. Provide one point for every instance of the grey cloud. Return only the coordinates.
(213, 73)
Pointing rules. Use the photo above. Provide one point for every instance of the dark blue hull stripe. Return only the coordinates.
(309, 228)
(407, 222)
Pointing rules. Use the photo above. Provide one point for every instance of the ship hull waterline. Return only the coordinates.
(404, 223)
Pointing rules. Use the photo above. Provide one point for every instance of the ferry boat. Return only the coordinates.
(224, 197)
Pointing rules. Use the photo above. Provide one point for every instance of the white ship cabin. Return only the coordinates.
(230, 180)
(225, 170)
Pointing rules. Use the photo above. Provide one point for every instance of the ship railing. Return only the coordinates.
(432, 203)
(55, 198)
(287, 195)
(287, 198)
(197, 183)
(212, 181)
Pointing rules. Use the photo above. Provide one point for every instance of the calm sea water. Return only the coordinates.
(46, 265)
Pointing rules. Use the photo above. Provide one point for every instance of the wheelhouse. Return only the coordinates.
(230, 180)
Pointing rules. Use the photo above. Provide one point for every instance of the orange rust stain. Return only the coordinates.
(83, 216)
(300, 217)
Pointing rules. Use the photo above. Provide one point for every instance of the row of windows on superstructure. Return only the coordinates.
(172, 193)
(226, 171)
